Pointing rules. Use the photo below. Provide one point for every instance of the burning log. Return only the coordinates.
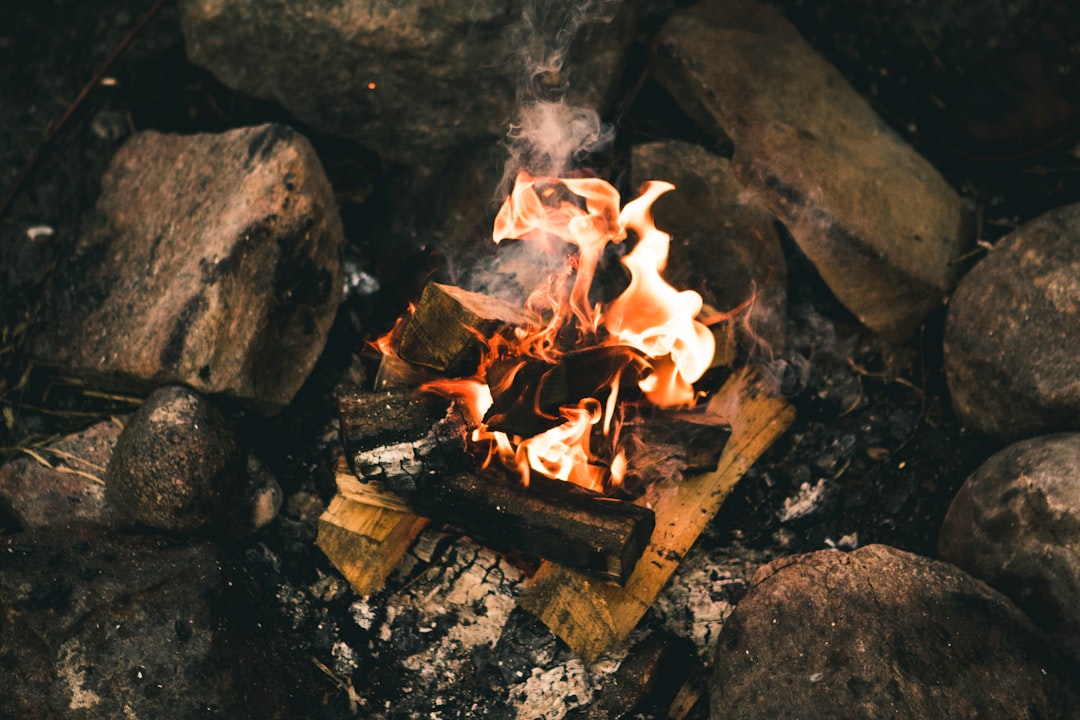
(444, 331)
(551, 519)
(591, 616)
(413, 447)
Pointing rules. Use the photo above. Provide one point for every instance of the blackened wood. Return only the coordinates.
(403, 439)
(663, 445)
(529, 403)
(552, 519)
(445, 330)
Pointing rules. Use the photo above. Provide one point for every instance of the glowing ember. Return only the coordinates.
(650, 316)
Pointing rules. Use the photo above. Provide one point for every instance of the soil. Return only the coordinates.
(875, 454)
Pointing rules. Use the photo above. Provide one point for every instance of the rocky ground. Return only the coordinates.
(884, 436)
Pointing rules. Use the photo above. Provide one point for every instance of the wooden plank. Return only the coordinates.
(589, 615)
(365, 533)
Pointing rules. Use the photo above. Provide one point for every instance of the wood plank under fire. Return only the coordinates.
(592, 616)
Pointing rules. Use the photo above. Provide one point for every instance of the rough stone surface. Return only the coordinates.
(409, 79)
(214, 261)
(72, 490)
(111, 626)
(879, 223)
(1012, 335)
(177, 463)
(1015, 523)
(881, 633)
(723, 244)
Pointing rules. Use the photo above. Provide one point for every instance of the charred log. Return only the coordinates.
(552, 519)
(404, 440)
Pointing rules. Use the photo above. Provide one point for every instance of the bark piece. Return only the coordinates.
(444, 329)
(591, 616)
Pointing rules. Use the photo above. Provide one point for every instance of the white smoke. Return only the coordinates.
(550, 134)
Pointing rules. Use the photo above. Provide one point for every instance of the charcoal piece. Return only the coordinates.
(404, 439)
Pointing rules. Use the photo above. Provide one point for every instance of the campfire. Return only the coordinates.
(586, 425)
(551, 392)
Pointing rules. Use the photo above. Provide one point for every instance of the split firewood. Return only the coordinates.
(591, 616)
(365, 531)
(404, 440)
(445, 330)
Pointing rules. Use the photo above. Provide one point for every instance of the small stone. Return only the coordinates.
(213, 261)
(1012, 335)
(72, 490)
(1015, 523)
(882, 633)
(724, 244)
(879, 223)
(177, 464)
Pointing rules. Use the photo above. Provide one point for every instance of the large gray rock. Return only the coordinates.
(881, 633)
(64, 482)
(214, 261)
(179, 466)
(407, 79)
(879, 223)
(1015, 523)
(723, 244)
(1012, 335)
(113, 626)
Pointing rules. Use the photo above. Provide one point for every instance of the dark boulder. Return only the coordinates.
(881, 633)
(1012, 335)
(1015, 523)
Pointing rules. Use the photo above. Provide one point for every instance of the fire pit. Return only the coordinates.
(561, 404)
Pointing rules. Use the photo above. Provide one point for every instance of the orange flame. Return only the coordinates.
(650, 316)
